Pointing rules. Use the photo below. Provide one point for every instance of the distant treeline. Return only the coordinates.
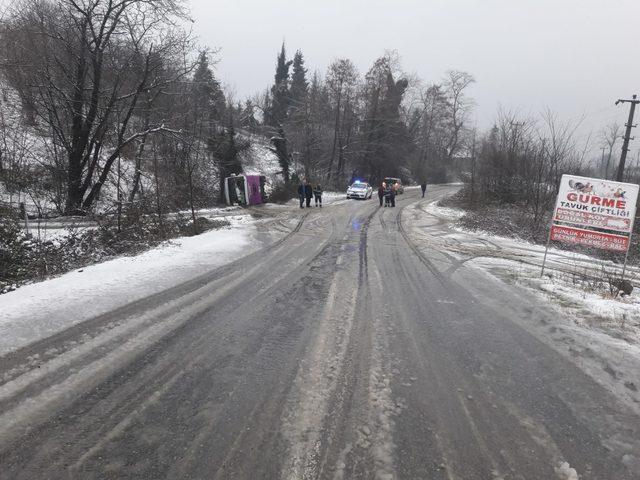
(102, 82)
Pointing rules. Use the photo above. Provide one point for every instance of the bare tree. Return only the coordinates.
(89, 64)
(520, 161)
(431, 132)
(342, 78)
(460, 104)
(610, 135)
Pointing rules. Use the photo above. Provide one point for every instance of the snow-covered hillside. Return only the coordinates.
(27, 146)
(258, 159)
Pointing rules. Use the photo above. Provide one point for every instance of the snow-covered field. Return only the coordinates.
(42, 309)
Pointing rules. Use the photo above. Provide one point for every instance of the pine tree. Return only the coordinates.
(247, 117)
(206, 92)
(299, 84)
(280, 97)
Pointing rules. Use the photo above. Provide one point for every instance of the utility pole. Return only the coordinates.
(627, 136)
(473, 165)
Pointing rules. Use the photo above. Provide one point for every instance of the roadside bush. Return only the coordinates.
(24, 258)
(14, 247)
(185, 228)
(282, 193)
(517, 221)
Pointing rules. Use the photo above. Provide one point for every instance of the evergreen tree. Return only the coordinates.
(299, 84)
(386, 140)
(206, 93)
(281, 150)
(247, 117)
(280, 97)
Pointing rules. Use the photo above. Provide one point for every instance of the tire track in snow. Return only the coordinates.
(318, 380)
(382, 407)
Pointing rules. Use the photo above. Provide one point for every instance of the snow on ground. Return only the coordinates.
(585, 321)
(444, 212)
(328, 198)
(42, 309)
(258, 159)
(565, 472)
(572, 280)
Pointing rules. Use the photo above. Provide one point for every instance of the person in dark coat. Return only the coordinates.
(393, 195)
(317, 194)
(387, 195)
(301, 191)
(381, 192)
(308, 193)
(423, 187)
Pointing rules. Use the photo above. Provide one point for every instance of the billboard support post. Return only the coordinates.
(624, 270)
(546, 248)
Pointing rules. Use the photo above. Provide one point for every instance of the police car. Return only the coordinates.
(360, 190)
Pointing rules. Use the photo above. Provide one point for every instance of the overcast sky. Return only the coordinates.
(574, 56)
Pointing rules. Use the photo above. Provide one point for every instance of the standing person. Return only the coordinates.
(381, 192)
(387, 195)
(423, 187)
(317, 193)
(393, 194)
(308, 193)
(301, 190)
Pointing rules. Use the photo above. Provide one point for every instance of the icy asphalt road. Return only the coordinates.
(343, 351)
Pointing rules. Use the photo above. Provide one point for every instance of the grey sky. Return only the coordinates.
(574, 56)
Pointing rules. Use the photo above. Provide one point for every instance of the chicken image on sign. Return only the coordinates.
(587, 206)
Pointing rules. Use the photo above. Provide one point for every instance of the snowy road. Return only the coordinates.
(344, 350)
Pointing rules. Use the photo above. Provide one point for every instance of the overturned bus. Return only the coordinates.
(245, 189)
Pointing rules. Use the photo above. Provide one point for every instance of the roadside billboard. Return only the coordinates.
(594, 212)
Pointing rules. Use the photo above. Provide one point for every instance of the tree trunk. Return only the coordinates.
(335, 134)
(73, 205)
(157, 182)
